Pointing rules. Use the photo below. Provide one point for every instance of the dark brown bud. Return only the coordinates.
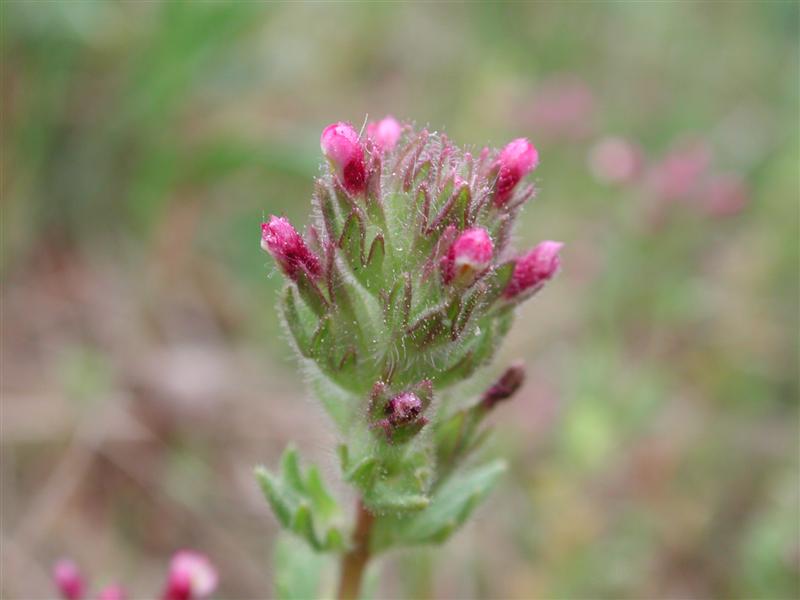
(505, 387)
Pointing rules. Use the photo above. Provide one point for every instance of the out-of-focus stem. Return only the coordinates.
(356, 559)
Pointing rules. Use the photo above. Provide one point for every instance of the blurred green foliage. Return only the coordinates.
(657, 443)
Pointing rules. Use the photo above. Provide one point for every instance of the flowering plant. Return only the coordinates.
(403, 285)
(191, 576)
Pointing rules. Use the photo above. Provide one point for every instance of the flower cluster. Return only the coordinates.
(404, 284)
(191, 576)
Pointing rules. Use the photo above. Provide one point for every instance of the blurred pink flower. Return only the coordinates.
(112, 592)
(191, 577)
(678, 175)
(384, 133)
(562, 108)
(615, 160)
(724, 194)
(68, 579)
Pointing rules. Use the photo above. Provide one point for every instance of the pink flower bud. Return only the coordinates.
(343, 149)
(516, 160)
(191, 577)
(68, 579)
(112, 592)
(287, 247)
(534, 268)
(403, 408)
(468, 257)
(385, 133)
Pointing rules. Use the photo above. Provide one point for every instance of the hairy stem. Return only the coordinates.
(356, 559)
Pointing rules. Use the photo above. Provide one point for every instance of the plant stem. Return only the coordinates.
(356, 559)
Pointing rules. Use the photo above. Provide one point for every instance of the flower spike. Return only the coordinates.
(404, 286)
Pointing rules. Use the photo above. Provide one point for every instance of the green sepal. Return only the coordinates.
(429, 328)
(372, 273)
(300, 335)
(497, 281)
(352, 243)
(330, 218)
(310, 293)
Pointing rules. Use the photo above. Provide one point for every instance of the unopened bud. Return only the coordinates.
(505, 387)
(191, 577)
(343, 149)
(468, 257)
(515, 161)
(534, 268)
(385, 133)
(403, 408)
(287, 247)
(68, 579)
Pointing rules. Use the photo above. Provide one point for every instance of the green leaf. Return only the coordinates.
(302, 503)
(298, 570)
(291, 470)
(450, 506)
(362, 473)
(271, 488)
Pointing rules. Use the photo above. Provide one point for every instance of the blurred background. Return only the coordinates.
(654, 448)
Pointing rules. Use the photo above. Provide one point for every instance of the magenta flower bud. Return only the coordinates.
(403, 408)
(505, 387)
(385, 133)
(191, 577)
(343, 149)
(516, 160)
(468, 257)
(112, 592)
(68, 579)
(287, 247)
(534, 268)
